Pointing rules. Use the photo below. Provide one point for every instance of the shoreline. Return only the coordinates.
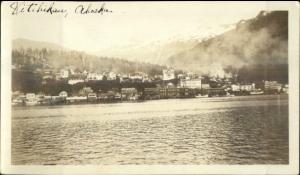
(210, 99)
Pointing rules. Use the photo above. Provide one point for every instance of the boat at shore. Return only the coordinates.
(201, 96)
(32, 103)
(256, 92)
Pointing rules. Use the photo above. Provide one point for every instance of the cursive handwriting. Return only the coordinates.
(81, 9)
(52, 8)
(19, 8)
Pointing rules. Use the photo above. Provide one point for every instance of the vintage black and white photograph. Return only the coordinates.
(149, 83)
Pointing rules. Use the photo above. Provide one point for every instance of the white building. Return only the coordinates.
(243, 87)
(247, 87)
(180, 76)
(75, 81)
(84, 72)
(285, 88)
(72, 72)
(112, 76)
(31, 99)
(47, 77)
(136, 76)
(63, 94)
(146, 79)
(235, 87)
(168, 74)
(94, 76)
(30, 96)
(64, 73)
(191, 83)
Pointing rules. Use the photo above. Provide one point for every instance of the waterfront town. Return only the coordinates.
(68, 86)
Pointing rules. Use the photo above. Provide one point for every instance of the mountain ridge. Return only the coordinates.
(20, 43)
(35, 54)
(260, 40)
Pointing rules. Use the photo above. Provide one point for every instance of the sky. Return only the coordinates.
(129, 23)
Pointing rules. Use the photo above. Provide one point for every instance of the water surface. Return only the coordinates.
(219, 130)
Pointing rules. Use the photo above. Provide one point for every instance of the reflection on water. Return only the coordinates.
(235, 130)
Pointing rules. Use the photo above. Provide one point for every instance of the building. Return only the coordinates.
(151, 93)
(247, 87)
(18, 98)
(272, 86)
(107, 96)
(192, 75)
(85, 91)
(76, 99)
(125, 79)
(64, 73)
(186, 92)
(92, 97)
(47, 77)
(192, 83)
(163, 93)
(242, 87)
(235, 87)
(75, 81)
(72, 72)
(55, 100)
(205, 86)
(216, 92)
(140, 77)
(85, 72)
(94, 76)
(168, 74)
(180, 76)
(285, 88)
(112, 76)
(63, 94)
(136, 76)
(129, 94)
(146, 79)
(30, 97)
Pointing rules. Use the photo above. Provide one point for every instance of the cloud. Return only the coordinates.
(261, 40)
